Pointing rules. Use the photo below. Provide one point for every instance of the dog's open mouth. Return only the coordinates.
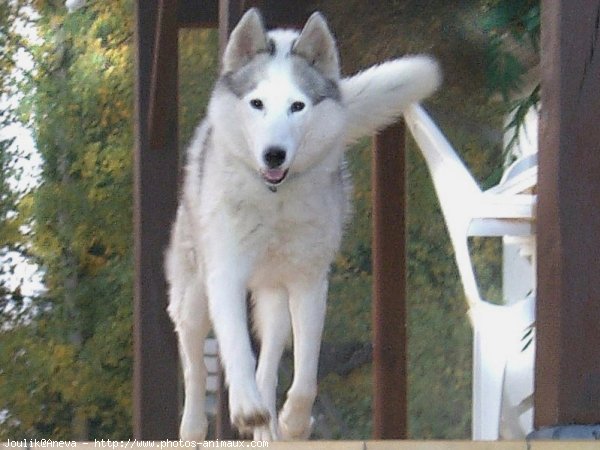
(274, 177)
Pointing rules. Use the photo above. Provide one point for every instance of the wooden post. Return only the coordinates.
(155, 378)
(389, 285)
(163, 118)
(567, 381)
(230, 12)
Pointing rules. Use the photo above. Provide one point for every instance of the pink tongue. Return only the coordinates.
(274, 174)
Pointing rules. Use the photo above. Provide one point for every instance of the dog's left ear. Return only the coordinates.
(317, 45)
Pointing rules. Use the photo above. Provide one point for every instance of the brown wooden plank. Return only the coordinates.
(155, 378)
(163, 94)
(290, 13)
(389, 285)
(568, 223)
(230, 12)
(194, 13)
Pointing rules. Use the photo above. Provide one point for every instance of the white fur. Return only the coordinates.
(233, 235)
(377, 96)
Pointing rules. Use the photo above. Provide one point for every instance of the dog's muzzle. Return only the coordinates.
(274, 173)
(274, 177)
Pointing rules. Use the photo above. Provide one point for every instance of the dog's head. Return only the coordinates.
(279, 94)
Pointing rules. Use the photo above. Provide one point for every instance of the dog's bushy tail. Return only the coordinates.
(377, 96)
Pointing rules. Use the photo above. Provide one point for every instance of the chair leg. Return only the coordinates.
(488, 375)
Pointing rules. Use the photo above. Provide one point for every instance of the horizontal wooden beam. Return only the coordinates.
(276, 13)
(198, 14)
(288, 13)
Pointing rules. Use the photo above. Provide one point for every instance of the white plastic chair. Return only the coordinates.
(502, 360)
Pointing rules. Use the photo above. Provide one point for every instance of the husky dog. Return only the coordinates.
(263, 206)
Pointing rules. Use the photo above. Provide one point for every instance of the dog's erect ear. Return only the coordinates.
(317, 45)
(247, 39)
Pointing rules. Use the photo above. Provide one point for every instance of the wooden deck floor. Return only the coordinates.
(316, 445)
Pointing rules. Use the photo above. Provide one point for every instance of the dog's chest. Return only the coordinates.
(290, 234)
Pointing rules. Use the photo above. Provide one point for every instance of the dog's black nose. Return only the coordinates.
(274, 157)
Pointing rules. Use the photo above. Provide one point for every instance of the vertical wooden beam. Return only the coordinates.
(230, 12)
(567, 382)
(163, 83)
(155, 393)
(389, 285)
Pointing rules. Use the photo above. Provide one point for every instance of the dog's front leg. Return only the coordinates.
(307, 309)
(226, 289)
(192, 325)
(272, 322)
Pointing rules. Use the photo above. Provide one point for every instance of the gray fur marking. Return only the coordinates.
(310, 81)
(246, 78)
(272, 48)
(205, 147)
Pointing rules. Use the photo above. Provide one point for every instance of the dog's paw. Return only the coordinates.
(193, 428)
(266, 432)
(292, 429)
(247, 410)
(295, 421)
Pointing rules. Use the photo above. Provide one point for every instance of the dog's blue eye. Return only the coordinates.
(297, 106)
(257, 104)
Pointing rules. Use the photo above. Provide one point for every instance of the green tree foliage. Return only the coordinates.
(7, 37)
(8, 14)
(11, 248)
(65, 372)
(518, 20)
(198, 66)
(513, 40)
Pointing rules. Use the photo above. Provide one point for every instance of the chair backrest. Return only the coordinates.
(451, 178)
(469, 211)
(455, 187)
